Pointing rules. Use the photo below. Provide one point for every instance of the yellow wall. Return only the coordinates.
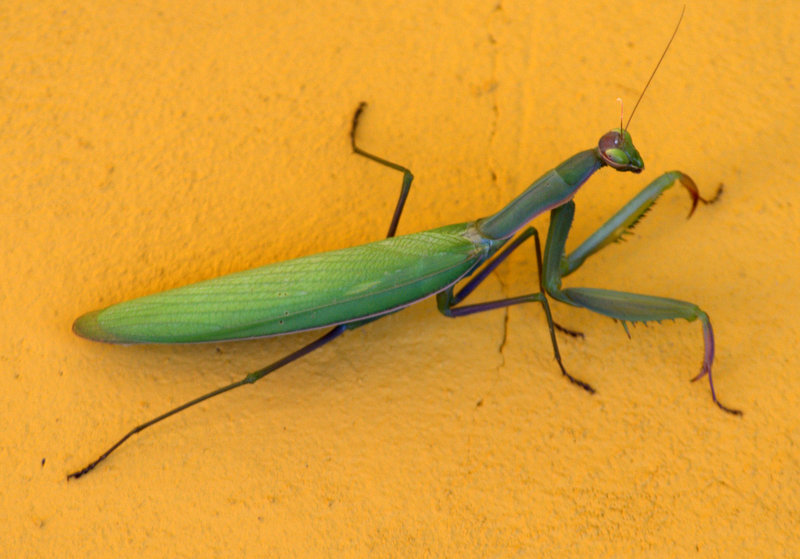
(152, 144)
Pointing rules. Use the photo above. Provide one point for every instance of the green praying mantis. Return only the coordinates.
(346, 289)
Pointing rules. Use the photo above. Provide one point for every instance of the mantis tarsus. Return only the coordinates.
(346, 289)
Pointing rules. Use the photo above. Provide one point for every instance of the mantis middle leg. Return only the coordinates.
(447, 300)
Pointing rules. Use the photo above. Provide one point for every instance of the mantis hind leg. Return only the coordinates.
(447, 300)
(308, 348)
(625, 307)
(407, 176)
(248, 379)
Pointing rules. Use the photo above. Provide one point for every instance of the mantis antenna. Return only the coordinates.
(663, 54)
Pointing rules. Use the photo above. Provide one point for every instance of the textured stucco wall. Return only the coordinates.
(148, 145)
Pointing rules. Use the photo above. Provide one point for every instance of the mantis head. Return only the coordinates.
(616, 150)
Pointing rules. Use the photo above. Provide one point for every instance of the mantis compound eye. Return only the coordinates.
(617, 151)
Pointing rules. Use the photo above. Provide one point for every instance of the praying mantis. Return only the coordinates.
(346, 289)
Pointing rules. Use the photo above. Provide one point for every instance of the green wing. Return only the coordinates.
(301, 294)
